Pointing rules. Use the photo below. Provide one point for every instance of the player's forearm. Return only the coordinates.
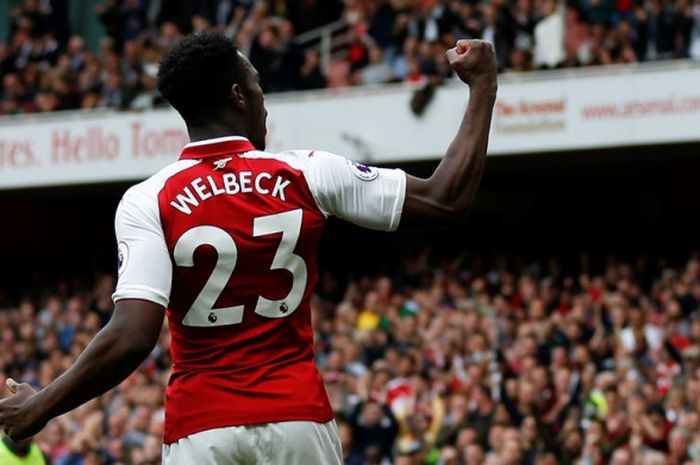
(456, 179)
(446, 196)
(109, 359)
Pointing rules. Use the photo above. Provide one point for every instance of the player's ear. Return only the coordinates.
(238, 97)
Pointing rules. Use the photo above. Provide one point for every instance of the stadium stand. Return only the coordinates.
(437, 363)
(43, 67)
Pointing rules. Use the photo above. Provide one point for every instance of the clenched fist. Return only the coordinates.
(474, 61)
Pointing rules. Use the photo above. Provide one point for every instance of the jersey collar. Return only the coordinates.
(216, 147)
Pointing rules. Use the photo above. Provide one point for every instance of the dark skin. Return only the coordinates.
(132, 332)
(446, 196)
(114, 353)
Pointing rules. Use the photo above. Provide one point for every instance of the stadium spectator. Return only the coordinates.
(377, 70)
(374, 430)
(694, 11)
(310, 74)
(549, 35)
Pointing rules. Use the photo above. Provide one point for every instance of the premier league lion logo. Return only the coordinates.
(122, 257)
(364, 172)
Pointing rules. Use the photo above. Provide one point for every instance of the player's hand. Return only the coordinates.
(17, 415)
(474, 61)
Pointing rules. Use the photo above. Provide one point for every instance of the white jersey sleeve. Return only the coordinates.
(145, 268)
(367, 196)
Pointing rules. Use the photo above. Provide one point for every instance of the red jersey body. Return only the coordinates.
(261, 369)
(226, 239)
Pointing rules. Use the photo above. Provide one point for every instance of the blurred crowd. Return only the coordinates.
(43, 67)
(449, 363)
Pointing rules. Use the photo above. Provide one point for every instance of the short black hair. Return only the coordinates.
(196, 75)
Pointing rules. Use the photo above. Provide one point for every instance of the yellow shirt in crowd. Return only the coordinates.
(367, 320)
(34, 457)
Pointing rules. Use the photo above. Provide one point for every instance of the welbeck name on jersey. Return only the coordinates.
(243, 182)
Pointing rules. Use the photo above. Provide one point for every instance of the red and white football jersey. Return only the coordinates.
(226, 239)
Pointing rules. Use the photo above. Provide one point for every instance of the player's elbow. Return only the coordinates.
(135, 328)
(437, 204)
(139, 348)
(434, 213)
(453, 201)
(457, 215)
(447, 215)
(128, 346)
(453, 210)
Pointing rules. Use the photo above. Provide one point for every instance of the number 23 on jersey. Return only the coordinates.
(202, 312)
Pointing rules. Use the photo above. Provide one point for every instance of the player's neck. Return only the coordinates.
(213, 131)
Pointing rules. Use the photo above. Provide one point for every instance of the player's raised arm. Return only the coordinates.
(446, 195)
(386, 199)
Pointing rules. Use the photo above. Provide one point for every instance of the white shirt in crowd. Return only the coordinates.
(652, 334)
(695, 33)
(549, 40)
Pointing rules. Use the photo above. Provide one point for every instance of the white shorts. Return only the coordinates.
(283, 443)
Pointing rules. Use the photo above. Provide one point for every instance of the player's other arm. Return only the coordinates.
(132, 332)
(115, 352)
(445, 196)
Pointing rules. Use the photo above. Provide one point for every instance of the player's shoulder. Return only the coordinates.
(141, 200)
(151, 187)
(319, 163)
(301, 159)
